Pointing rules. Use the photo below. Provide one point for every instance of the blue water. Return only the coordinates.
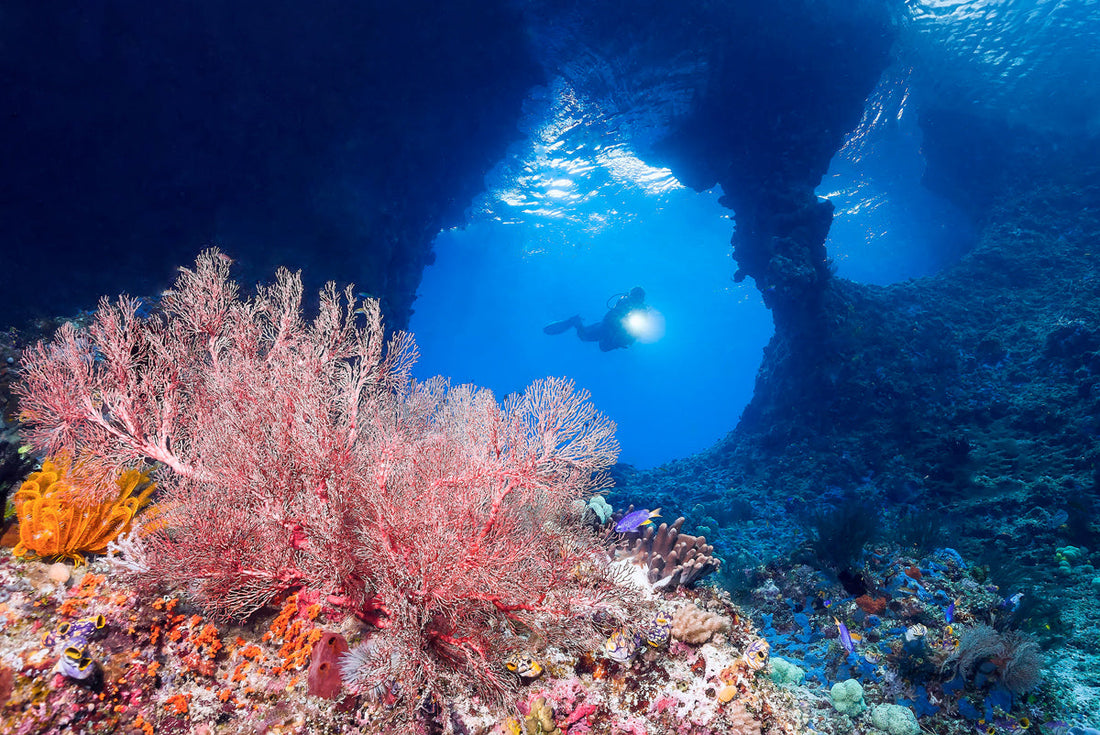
(483, 304)
(574, 216)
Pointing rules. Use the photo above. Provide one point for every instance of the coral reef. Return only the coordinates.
(669, 556)
(343, 501)
(162, 666)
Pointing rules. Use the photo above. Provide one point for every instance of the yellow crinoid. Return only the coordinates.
(55, 521)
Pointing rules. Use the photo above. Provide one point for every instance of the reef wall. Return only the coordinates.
(968, 397)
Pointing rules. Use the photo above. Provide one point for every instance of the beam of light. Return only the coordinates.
(645, 325)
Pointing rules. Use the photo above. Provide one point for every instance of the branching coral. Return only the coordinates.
(57, 520)
(671, 558)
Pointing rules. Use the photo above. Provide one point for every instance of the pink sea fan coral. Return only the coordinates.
(299, 454)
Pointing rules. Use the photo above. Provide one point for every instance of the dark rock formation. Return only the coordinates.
(971, 396)
(973, 158)
(331, 136)
(789, 83)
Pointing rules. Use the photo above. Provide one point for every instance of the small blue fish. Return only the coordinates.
(949, 613)
(636, 519)
(845, 637)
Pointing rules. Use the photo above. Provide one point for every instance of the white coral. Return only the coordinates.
(599, 506)
(127, 555)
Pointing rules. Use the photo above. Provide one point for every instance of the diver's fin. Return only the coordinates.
(562, 326)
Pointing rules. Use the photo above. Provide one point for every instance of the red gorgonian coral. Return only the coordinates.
(300, 455)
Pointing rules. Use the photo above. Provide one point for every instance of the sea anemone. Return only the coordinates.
(362, 670)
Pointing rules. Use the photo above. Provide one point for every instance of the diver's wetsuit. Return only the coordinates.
(611, 331)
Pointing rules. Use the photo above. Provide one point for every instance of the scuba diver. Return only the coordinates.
(619, 327)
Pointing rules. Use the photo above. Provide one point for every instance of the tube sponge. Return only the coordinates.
(324, 677)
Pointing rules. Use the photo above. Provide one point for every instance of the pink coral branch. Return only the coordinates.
(301, 455)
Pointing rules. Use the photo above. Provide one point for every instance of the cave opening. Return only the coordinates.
(568, 220)
(887, 225)
(572, 216)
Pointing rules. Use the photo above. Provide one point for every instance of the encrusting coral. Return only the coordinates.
(540, 721)
(741, 721)
(56, 521)
(693, 625)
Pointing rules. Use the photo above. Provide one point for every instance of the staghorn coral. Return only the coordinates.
(671, 558)
(693, 625)
(57, 520)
